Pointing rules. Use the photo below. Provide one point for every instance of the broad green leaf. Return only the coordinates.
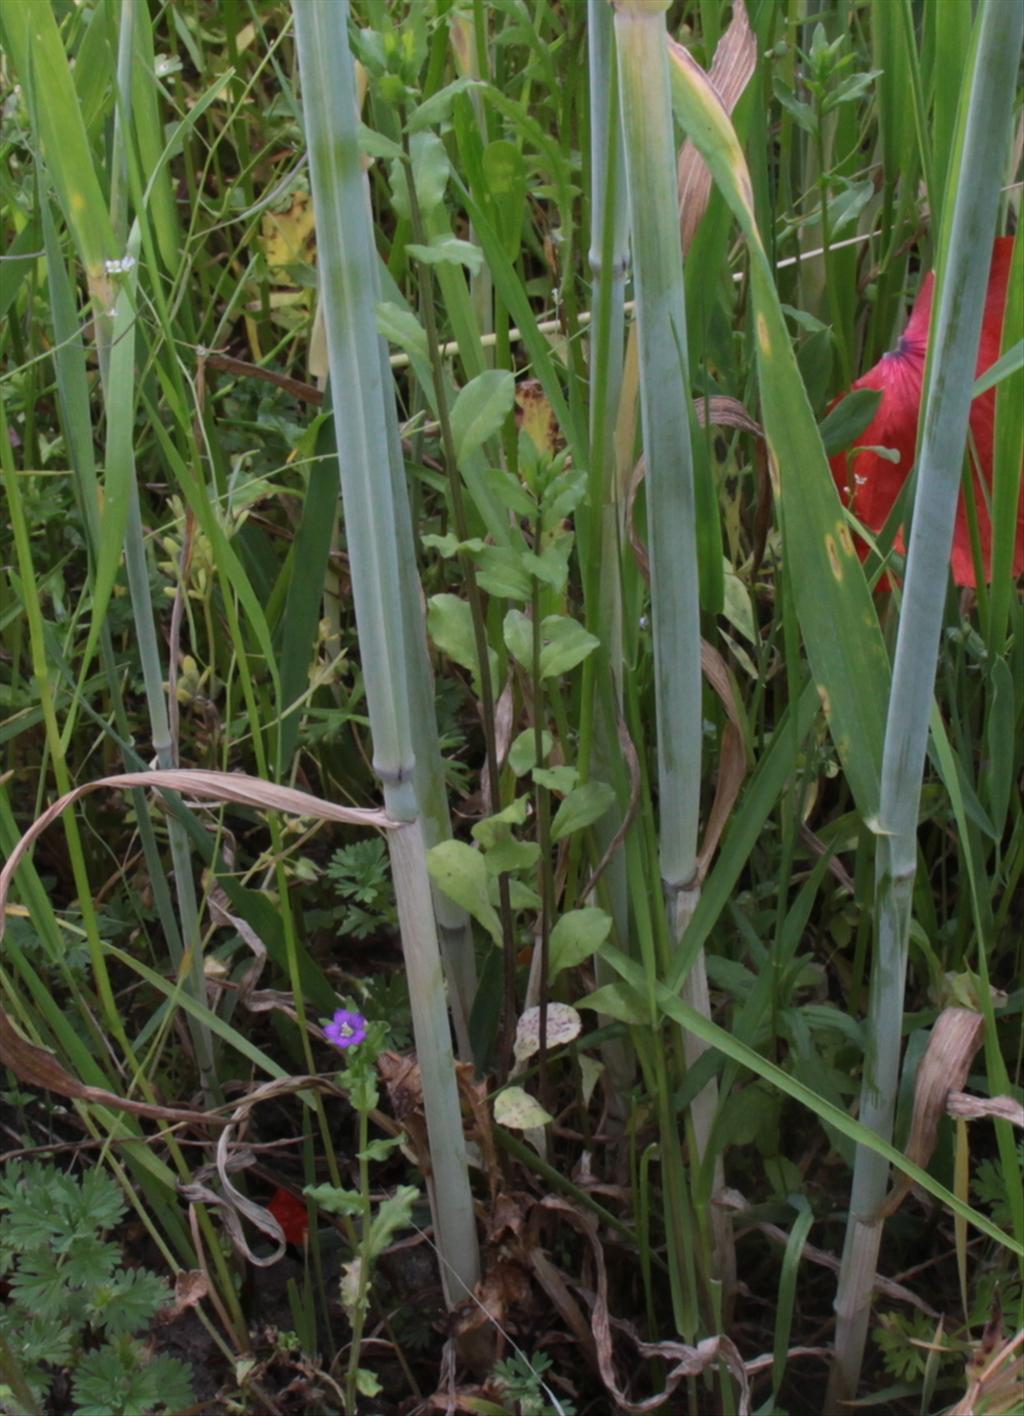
(480, 409)
(575, 937)
(502, 572)
(437, 108)
(496, 828)
(401, 327)
(518, 634)
(367, 1383)
(522, 753)
(510, 491)
(843, 426)
(556, 779)
(562, 497)
(333, 1200)
(833, 602)
(380, 1148)
(462, 874)
(511, 854)
(552, 565)
(448, 250)
(590, 1075)
(584, 805)
(449, 545)
(392, 1214)
(450, 624)
(521, 896)
(564, 642)
(431, 169)
(619, 1001)
(375, 144)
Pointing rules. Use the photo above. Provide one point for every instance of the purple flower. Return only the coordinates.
(346, 1029)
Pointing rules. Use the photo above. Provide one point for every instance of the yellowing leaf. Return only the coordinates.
(517, 1109)
(288, 235)
(535, 416)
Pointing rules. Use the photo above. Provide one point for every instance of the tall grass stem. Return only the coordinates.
(987, 98)
(347, 272)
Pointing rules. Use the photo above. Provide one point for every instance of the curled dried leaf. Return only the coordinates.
(680, 1359)
(38, 1067)
(191, 1286)
(955, 1039)
(976, 1108)
(235, 787)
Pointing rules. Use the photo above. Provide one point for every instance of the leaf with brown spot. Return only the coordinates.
(536, 417)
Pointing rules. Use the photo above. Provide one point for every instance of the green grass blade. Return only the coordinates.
(724, 1042)
(833, 602)
(348, 265)
(33, 41)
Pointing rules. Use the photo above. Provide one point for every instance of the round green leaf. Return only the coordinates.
(575, 937)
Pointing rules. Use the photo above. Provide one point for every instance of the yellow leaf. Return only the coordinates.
(288, 235)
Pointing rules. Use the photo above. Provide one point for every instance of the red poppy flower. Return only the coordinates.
(869, 483)
(291, 1214)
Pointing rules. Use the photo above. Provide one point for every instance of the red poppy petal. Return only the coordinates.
(916, 332)
(291, 1214)
(983, 412)
(869, 483)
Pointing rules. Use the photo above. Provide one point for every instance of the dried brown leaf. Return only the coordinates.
(38, 1067)
(997, 1388)
(191, 1286)
(680, 1359)
(536, 417)
(233, 1155)
(235, 787)
(401, 1076)
(732, 761)
(955, 1039)
(473, 1092)
(731, 70)
(976, 1108)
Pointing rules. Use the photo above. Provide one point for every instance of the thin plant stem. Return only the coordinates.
(665, 411)
(468, 572)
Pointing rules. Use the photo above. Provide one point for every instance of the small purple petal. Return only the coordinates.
(346, 1029)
